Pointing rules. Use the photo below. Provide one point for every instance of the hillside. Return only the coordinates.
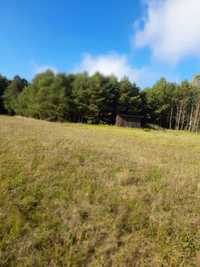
(80, 195)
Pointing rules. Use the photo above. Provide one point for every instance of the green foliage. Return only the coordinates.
(95, 98)
(78, 98)
(196, 80)
(98, 99)
(12, 92)
(45, 98)
(3, 85)
(80, 95)
(129, 98)
(160, 99)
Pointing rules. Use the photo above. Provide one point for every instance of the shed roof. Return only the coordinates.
(130, 116)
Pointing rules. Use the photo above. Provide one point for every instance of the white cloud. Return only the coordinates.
(171, 29)
(118, 65)
(108, 64)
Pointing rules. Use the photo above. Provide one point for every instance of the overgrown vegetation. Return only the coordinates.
(80, 195)
(98, 99)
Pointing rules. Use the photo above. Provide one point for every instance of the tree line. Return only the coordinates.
(97, 99)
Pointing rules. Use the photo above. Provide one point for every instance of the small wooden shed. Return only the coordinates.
(131, 121)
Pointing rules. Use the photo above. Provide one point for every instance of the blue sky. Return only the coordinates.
(136, 38)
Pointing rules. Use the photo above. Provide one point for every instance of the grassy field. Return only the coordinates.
(79, 195)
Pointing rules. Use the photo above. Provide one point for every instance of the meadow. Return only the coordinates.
(82, 195)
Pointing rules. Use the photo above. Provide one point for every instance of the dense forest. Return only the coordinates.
(98, 99)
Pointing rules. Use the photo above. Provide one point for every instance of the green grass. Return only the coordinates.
(79, 195)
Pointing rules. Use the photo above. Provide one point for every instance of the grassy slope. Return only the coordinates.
(73, 195)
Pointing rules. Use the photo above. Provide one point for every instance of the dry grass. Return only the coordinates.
(79, 195)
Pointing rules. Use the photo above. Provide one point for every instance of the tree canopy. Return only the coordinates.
(98, 99)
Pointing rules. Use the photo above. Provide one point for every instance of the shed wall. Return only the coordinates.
(130, 122)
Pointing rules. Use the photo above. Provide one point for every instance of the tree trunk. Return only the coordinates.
(190, 121)
(183, 119)
(171, 116)
(179, 115)
(195, 124)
